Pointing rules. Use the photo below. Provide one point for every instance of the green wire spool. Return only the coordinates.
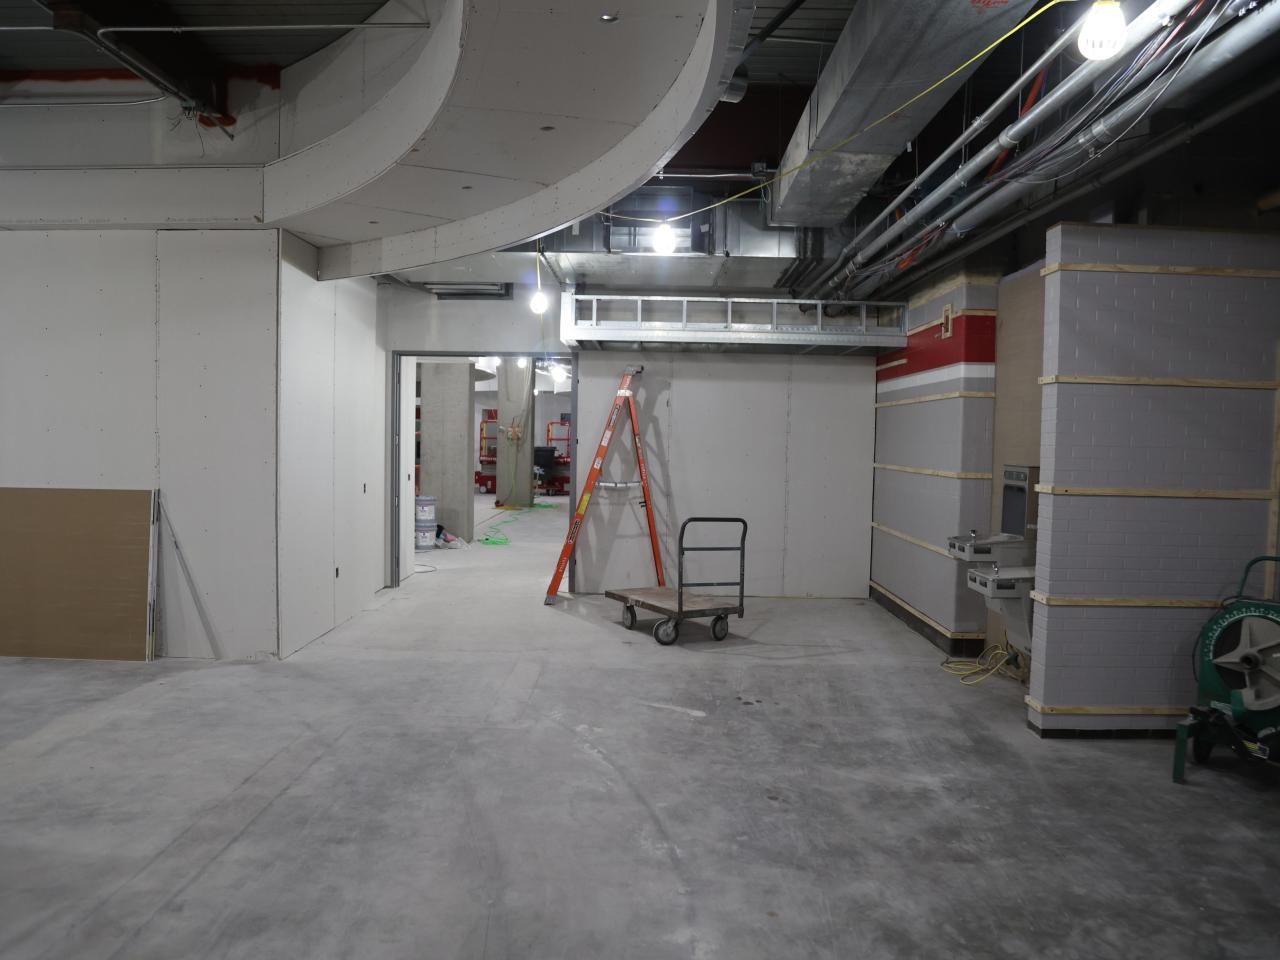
(1237, 660)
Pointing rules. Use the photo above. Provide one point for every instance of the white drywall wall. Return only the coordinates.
(408, 428)
(784, 442)
(359, 428)
(137, 359)
(306, 450)
(332, 462)
(216, 400)
(77, 359)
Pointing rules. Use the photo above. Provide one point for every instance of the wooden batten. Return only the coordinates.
(949, 634)
(1161, 269)
(1198, 382)
(1167, 493)
(907, 538)
(1040, 596)
(930, 472)
(929, 398)
(1119, 711)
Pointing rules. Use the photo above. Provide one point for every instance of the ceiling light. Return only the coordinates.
(522, 362)
(538, 303)
(559, 374)
(1103, 30)
(664, 239)
(608, 18)
(496, 361)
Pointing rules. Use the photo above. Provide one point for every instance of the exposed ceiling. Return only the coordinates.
(795, 54)
(49, 52)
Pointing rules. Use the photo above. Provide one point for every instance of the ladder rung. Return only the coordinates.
(614, 484)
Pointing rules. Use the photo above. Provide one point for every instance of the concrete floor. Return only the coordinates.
(461, 772)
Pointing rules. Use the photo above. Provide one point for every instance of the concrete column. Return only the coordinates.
(448, 444)
(516, 438)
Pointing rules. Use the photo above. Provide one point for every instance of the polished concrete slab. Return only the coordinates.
(461, 772)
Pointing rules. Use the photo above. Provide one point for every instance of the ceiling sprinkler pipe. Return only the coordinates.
(1238, 40)
(980, 123)
(1174, 138)
(1140, 30)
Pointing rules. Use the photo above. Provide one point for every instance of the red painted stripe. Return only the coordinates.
(972, 340)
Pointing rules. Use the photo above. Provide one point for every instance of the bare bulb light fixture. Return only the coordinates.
(1102, 33)
(559, 374)
(664, 239)
(522, 362)
(538, 303)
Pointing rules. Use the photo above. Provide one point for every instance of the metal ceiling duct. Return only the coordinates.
(888, 50)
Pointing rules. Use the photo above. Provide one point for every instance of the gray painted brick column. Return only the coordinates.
(1107, 317)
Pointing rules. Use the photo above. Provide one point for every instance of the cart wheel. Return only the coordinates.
(1201, 748)
(720, 628)
(666, 632)
(629, 616)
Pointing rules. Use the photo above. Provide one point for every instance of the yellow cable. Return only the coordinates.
(826, 152)
(994, 659)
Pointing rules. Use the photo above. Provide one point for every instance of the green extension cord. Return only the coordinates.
(493, 535)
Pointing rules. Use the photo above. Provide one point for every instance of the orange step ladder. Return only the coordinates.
(624, 398)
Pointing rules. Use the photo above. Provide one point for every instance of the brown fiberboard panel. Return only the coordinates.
(102, 613)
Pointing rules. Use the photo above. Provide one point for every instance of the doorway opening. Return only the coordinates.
(483, 463)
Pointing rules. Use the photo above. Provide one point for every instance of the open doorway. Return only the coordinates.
(483, 451)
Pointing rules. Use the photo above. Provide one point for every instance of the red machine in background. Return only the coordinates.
(555, 477)
(487, 479)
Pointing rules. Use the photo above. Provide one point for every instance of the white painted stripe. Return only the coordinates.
(956, 371)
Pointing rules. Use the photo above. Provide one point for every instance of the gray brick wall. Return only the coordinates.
(931, 508)
(1133, 436)
(953, 435)
(933, 584)
(939, 435)
(1120, 324)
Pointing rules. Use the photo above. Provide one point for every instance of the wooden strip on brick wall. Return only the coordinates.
(1163, 382)
(949, 634)
(1152, 602)
(906, 537)
(76, 578)
(928, 472)
(1168, 493)
(953, 395)
(892, 363)
(1174, 270)
(1039, 707)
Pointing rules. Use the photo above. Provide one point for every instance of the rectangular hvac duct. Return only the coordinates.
(889, 51)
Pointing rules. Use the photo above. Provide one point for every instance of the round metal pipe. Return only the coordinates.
(1140, 30)
(1236, 41)
(980, 123)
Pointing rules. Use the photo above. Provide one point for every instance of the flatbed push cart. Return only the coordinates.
(676, 603)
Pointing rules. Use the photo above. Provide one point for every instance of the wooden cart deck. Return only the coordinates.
(663, 600)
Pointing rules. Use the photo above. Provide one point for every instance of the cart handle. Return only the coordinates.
(1248, 567)
(741, 548)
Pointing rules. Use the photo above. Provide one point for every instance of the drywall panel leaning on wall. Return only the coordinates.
(784, 442)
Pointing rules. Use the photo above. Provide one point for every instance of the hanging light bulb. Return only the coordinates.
(1103, 30)
(538, 303)
(522, 362)
(559, 374)
(664, 239)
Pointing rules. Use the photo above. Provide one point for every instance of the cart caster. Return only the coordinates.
(720, 628)
(629, 617)
(666, 632)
